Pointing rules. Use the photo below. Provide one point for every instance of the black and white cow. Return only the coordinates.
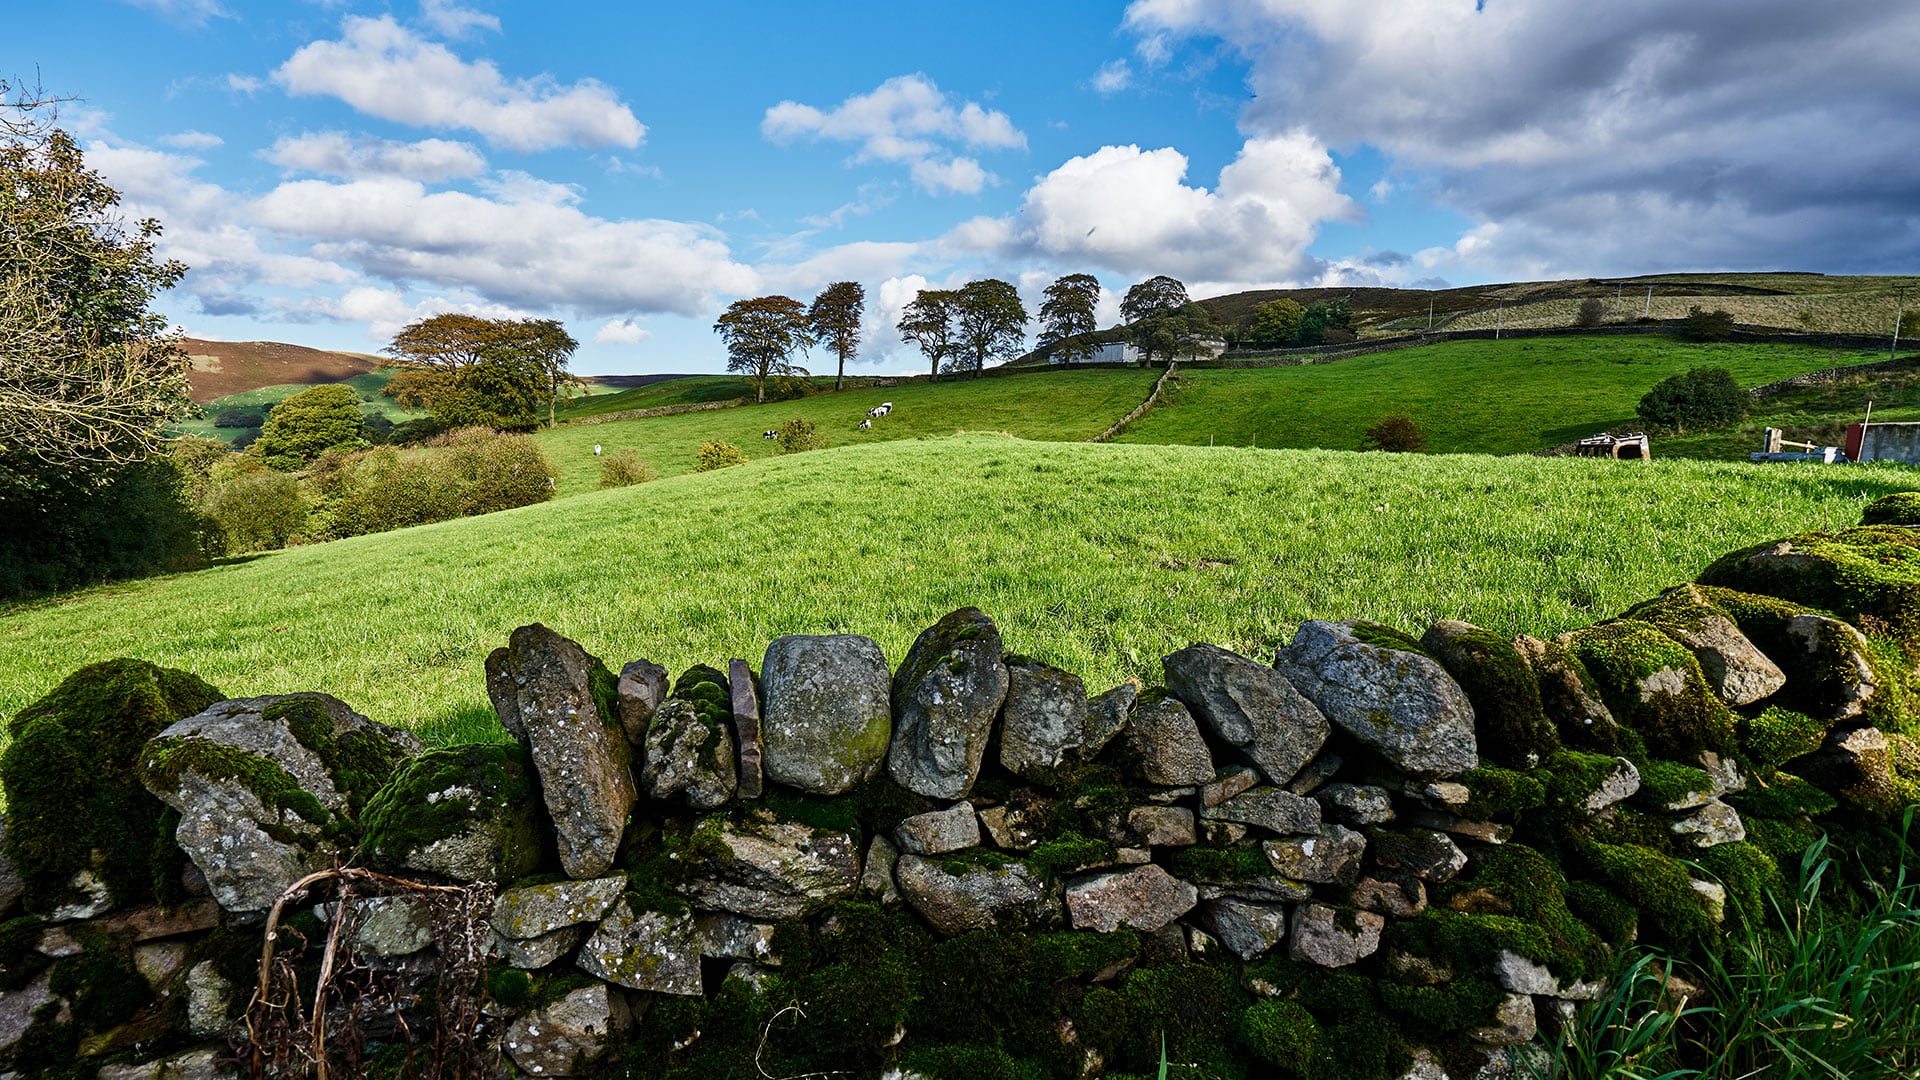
(881, 409)
(769, 434)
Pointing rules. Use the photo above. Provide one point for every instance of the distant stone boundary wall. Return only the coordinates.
(1324, 353)
(1140, 411)
(1833, 375)
(1372, 854)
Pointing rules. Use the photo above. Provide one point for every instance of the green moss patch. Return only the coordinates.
(1778, 735)
(1069, 852)
(1781, 795)
(1499, 792)
(166, 759)
(1664, 783)
(1508, 716)
(1653, 882)
(409, 814)
(71, 784)
(1899, 508)
(1869, 576)
(1654, 685)
(359, 760)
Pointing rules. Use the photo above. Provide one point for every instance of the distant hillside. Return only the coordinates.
(221, 368)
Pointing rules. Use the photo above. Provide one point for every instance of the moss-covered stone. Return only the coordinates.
(358, 759)
(1573, 777)
(71, 788)
(1500, 793)
(276, 789)
(1570, 697)
(1869, 576)
(1899, 508)
(1510, 723)
(464, 812)
(1654, 685)
(1655, 883)
(1534, 888)
(1777, 736)
(1749, 875)
(1283, 1034)
(1780, 795)
(1069, 852)
(1833, 670)
(1669, 784)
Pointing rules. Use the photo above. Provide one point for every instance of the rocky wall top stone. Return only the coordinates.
(544, 688)
(1250, 705)
(1378, 687)
(1045, 720)
(770, 869)
(826, 720)
(945, 697)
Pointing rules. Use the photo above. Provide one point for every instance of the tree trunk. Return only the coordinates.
(840, 376)
(933, 375)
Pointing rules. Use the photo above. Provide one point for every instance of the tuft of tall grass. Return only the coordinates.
(1820, 986)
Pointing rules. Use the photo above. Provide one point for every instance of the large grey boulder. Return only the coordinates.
(646, 950)
(770, 870)
(1735, 669)
(826, 720)
(1044, 722)
(1274, 809)
(1162, 826)
(1166, 745)
(1249, 705)
(1248, 928)
(945, 697)
(543, 687)
(1145, 898)
(264, 784)
(557, 1039)
(975, 896)
(1383, 691)
(469, 813)
(689, 756)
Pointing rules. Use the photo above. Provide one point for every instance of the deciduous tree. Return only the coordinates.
(1276, 323)
(472, 371)
(308, 424)
(1067, 316)
(992, 322)
(929, 322)
(1151, 309)
(834, 320)
(761, 335)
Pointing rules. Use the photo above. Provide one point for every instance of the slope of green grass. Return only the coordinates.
(1099, 558)
(599, 400)
(1045, 405)
(1493, 397)
(1814, 414)
(368, 386)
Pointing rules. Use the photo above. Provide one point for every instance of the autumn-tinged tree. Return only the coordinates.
(1152, 311)
(90, 378)
(1067, 316)
(991, 323)
(834, 320)
(1276, 323)
(761, 335)
(472, 371)
(930, 321)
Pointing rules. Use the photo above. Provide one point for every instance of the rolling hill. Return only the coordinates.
(221, 368)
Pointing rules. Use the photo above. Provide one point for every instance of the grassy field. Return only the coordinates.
(1814, 414)
(1492, 397)
(1864, 309)
(1098, 558)
(1047, 405)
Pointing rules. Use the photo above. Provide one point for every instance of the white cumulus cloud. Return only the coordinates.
(621, 332)
(334, 153)
(908, 120)
(1113, 77)
(1132, 210)
(456, 20)
(385, 70)
(191, 140)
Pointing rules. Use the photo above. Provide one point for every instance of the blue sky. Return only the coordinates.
(333, 170)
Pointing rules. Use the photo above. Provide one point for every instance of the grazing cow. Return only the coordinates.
(770, 434)
(865, 424)
(881, 409)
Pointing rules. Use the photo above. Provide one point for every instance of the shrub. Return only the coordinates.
(239, 418)
(379, 490)
(796, 436)
(1590, 312)
(491, 471)
(255, 511)
(1715, 325)
(1396, 434)
(718, 455)
(76, 532)
(1700, 397)
(623, 468)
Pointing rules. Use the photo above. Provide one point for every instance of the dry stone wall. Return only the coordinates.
(1368, 855)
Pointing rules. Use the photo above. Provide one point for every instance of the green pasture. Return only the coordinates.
(1486, 397)
(368, 386)
(1099, 558)
(1067, 406)
(598, 400)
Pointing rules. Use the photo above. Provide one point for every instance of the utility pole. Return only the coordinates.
(1429, 314)
(1648, 314)
(1497, 313)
